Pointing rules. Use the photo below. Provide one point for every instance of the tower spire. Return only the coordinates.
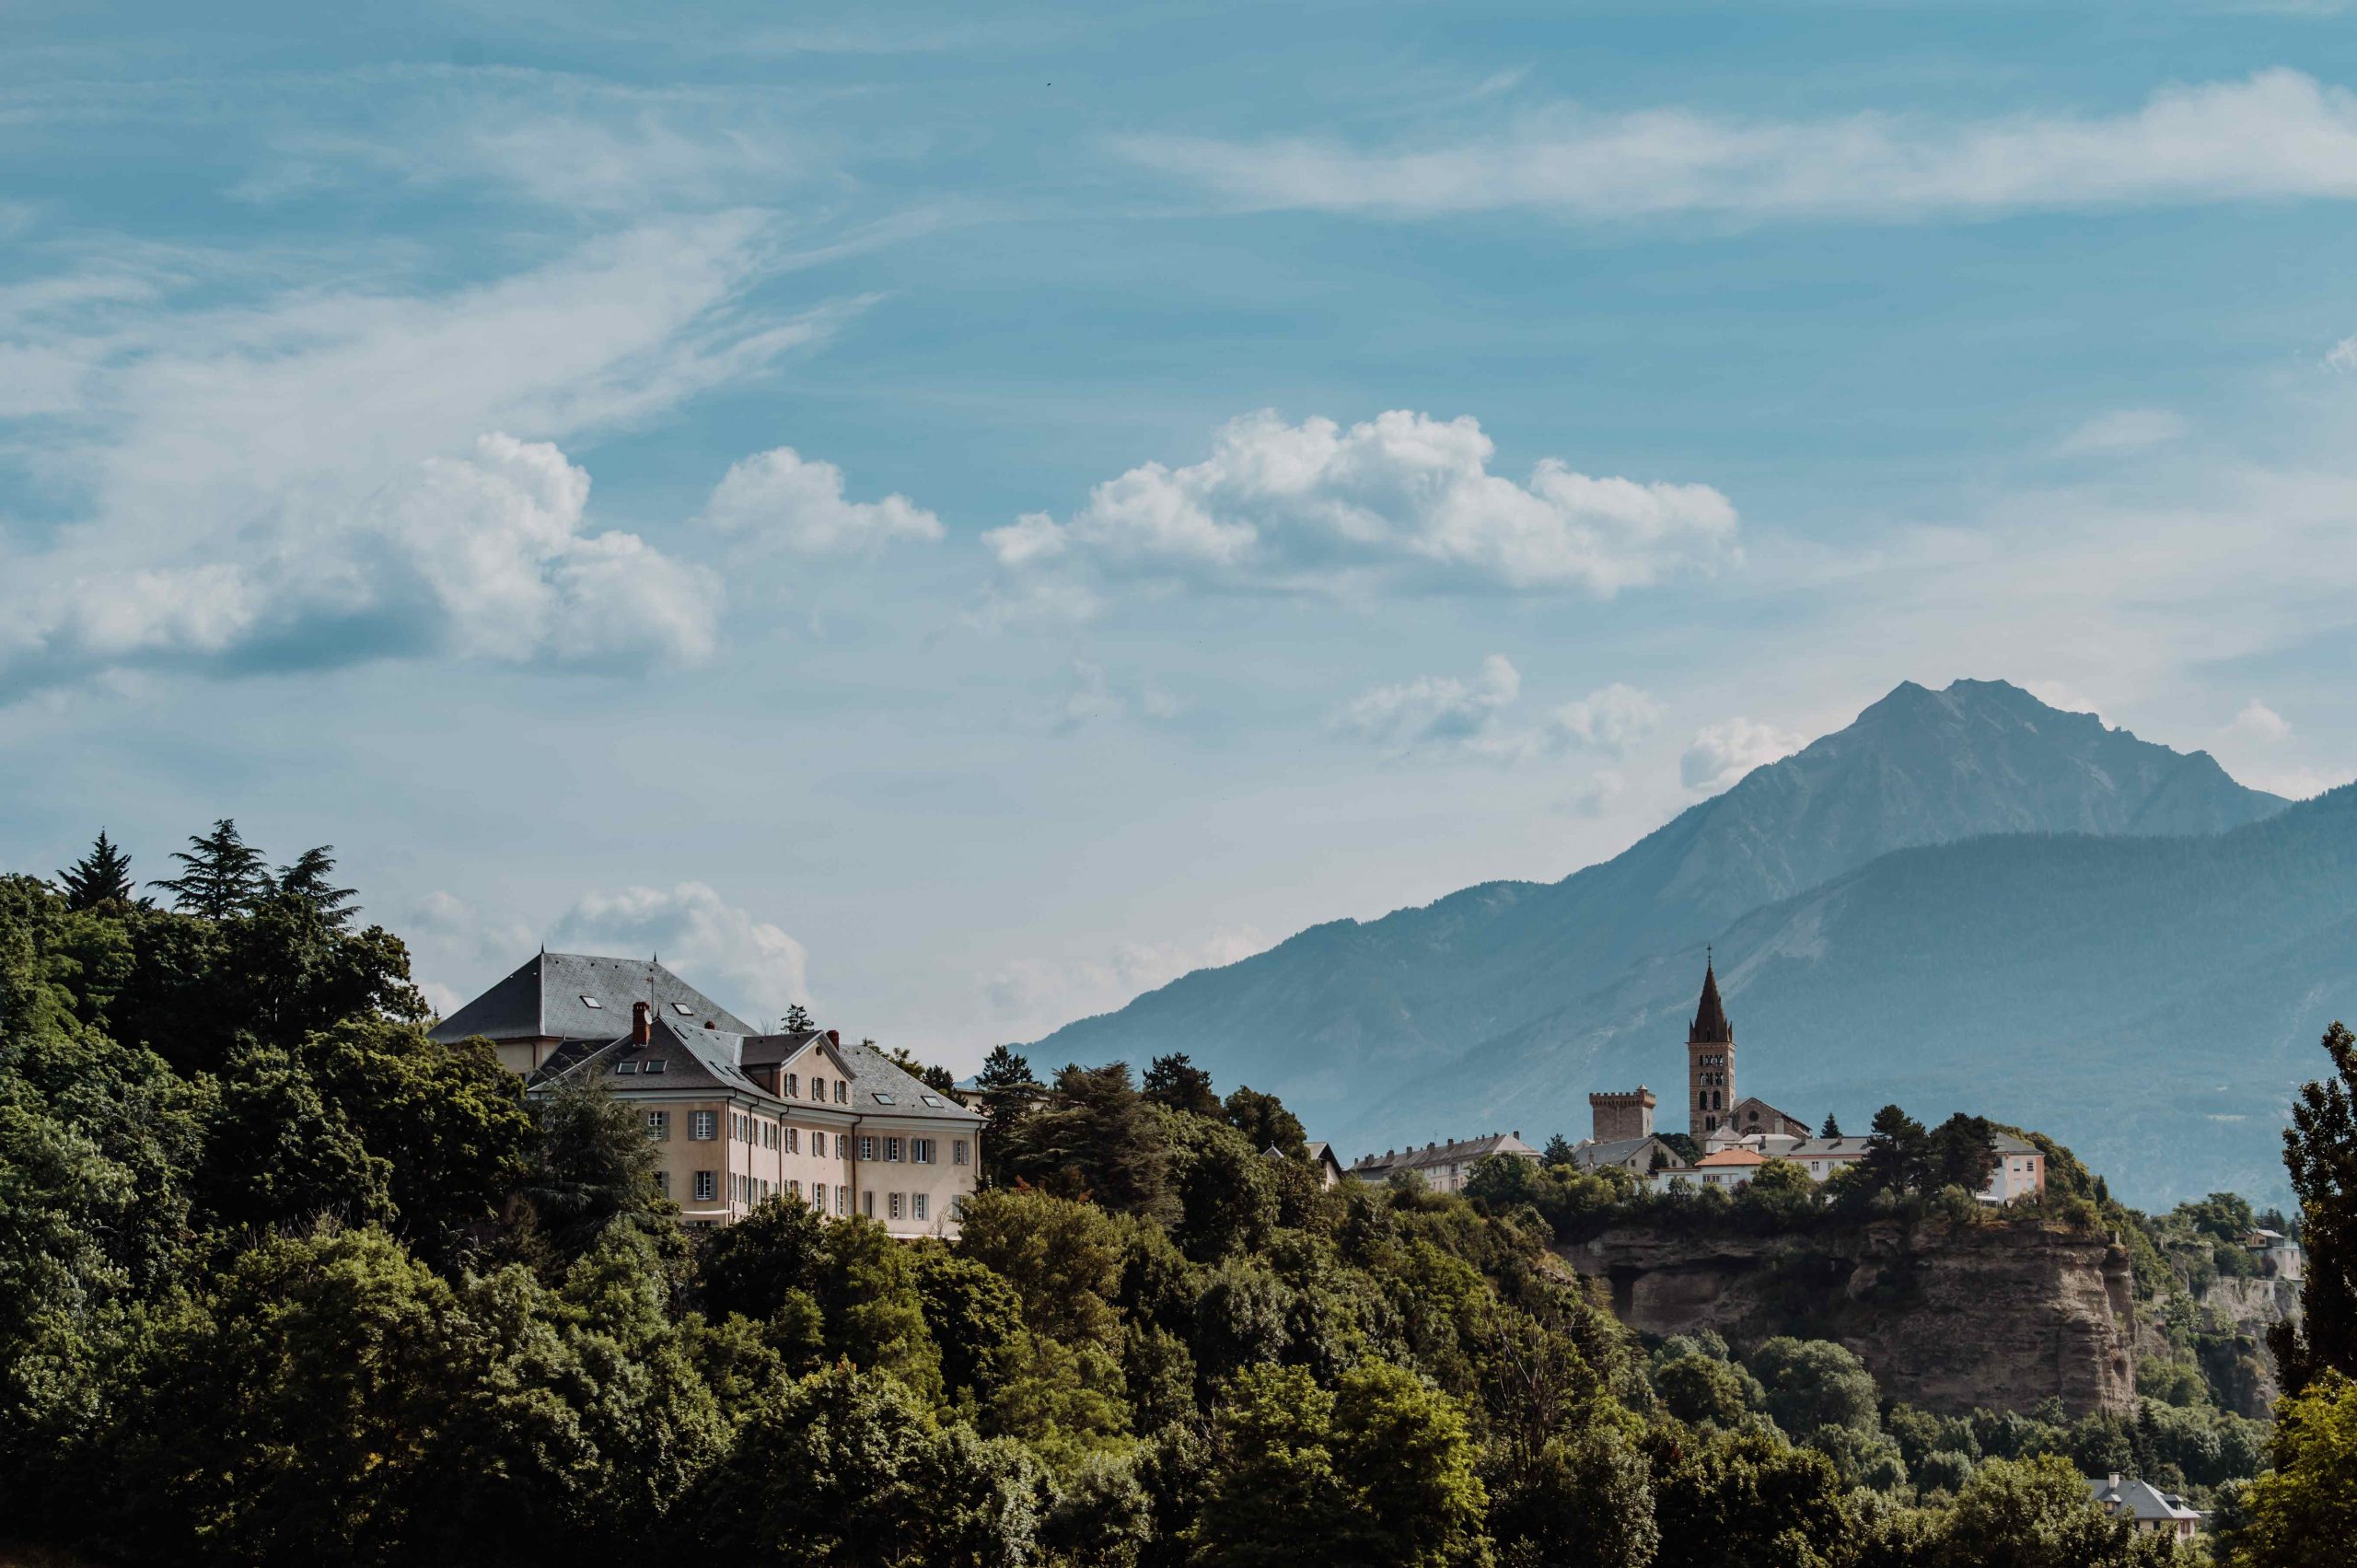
(1710, 1023)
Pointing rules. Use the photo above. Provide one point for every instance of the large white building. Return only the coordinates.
(1443, 1168)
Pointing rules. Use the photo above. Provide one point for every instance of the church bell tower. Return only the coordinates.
(1710, 1059)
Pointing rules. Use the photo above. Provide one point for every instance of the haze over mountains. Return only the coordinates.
(1965, 900)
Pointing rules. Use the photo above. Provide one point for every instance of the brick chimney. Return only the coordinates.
(642, 1023)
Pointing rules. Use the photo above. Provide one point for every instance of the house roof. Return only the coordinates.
(1828, 1148)
(1620, 1151)
(715, 1060)
(1455, 1152)
(583, 997)
(1731, 1156)
(1758, 1104)
(2138, 1500)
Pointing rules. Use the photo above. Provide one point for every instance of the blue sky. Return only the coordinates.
(961, 514)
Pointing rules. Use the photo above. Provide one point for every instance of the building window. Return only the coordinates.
(867, 1204)
(866, 1147)
(708, 1186)
(920, 1151)
(793, 1086)
(916, 1204)
(843, 1200)
(625, 1069)
(703, 1124)
(658, 1125)
(958, 1151)
(892, 1149)
(842, 1092)
(653, 1065)
(896, 1206)
(793, 1140)
(817, 1087)
(662, 1182)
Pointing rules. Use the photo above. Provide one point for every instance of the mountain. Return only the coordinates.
(2150, 1000)
(1337, 1015)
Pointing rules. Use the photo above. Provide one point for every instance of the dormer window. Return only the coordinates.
(591, 1002)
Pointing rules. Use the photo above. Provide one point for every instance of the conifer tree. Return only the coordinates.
(306, 883)
(1175, 1081)
(797, 1020)
(100, 878)
(1557, 1152)
(1897, 1151)
(1833, 1128)
(225, 874)
(2321, 1152)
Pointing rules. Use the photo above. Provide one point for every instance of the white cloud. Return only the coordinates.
(1432, 710)
(2342, 356)
(1722, 753)
(783, 499)
(1403, 501)
(482, 556)
(1612, 718)
(1440, 713)
(1595, 794)
(2276, 134)
(747, 965)
(2259, 722)
(304, 477)
(1028, 997)
(2124, 430)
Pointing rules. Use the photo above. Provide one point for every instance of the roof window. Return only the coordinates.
(625, 1066)
(883, 1099)
(683, 1009)
(655, 1064)
(929, 1100)
(591, 1002)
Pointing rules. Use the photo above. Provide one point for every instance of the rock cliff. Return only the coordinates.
(1947, 1318)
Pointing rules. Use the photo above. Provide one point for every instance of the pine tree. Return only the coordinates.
(1175, 1081)
(797, 1020)
(306, 883)
(101, 876)
(225, 874)
(1897, 1151)
(2321, 1152)
(1833, 1128)
(1557, 1152)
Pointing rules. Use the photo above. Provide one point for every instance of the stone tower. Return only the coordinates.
(1622, 1115)
(1710, 1059)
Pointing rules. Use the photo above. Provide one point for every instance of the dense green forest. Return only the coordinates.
(283, 1280)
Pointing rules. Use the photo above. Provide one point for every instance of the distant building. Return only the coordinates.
(1321, 1159)
(2278, 1255)
(1618, 1115)
(1755, 1118)
(1443, 1166)
(737, 1116)
(1650, 1160)
(2146, 1507)
(1728, 1168)
(2020, 1171)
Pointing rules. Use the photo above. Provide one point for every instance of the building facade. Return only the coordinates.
(737, 1116)
(1621, 1114)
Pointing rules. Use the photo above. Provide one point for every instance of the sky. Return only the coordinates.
(958, 515)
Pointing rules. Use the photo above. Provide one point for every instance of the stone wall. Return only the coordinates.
(1947, 1318)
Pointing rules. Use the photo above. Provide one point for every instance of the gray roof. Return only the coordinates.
(2138, 1499)
(580, 996)
(1620, 1151)
(874, 1075)
(1851, 1148)
(696, 1058)
(1454, 1152)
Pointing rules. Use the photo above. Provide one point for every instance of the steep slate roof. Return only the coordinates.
(1710, 1026)
(543, 999)
(872, 1073)
(1619, 1151)
(1828, 1148)
(695, 1058)
(2138, 1500)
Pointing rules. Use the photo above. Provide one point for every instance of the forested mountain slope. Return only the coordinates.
(1336, 1015)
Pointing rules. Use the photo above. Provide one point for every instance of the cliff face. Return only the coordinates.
(1946, 1320)
(2237, 1313)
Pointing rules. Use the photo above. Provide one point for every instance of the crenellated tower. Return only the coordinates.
(1710, 1059)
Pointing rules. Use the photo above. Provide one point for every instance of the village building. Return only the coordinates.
(1710, 1059)
(2279, 1256)
(1330, 1169)
(1443, 1168)
(2145, 1506)
(1729, 1169)
(737, 1116)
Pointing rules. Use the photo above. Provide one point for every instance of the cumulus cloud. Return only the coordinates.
(1401, 501)
(783, 500)
(2275, 134)
(747, 965)
(480, 556)
(303, 477)
(1722, 753)
(2124, 430)
(2259, 722)
(1441, 712)
(1028, 997)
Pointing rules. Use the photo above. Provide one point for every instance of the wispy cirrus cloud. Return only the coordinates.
(1480, 717)
(2277, 133)
(1403, 501)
